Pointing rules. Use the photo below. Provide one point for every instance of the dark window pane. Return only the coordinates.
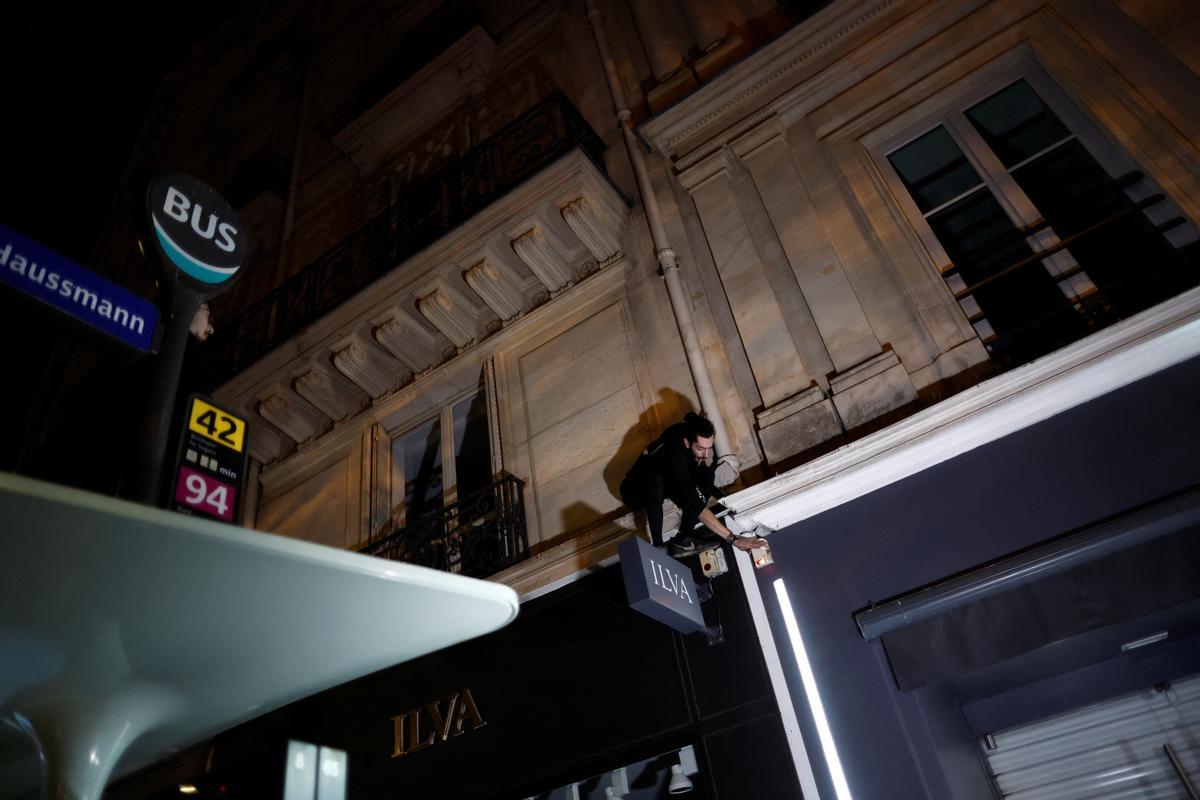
(1026, 309)
(472, 445)
(1131, 264)
(934, 169)
(420, 450)
(1016, 123)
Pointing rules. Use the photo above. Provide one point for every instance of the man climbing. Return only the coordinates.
(679, 465)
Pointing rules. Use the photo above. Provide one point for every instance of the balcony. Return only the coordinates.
(427, 212)
(477, 536)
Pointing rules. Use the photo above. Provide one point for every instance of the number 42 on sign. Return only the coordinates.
(212, 461)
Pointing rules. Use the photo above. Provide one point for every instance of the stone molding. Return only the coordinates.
(292, 415)
(441, 307)
(457, 74)
(366, 367)
(578, 302)
(406, 340)
(544, 259)
(382, 319)
(495, 287)
(1104, 362)
(742, 92)
(337, 398)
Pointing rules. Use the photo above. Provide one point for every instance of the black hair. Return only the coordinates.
(697, 426)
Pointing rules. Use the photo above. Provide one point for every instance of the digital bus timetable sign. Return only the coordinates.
(211, 463)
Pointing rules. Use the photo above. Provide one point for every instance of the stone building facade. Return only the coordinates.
(453, 281)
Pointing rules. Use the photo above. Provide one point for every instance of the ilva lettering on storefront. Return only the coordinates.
(435, 722)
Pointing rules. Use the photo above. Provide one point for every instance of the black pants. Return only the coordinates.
(645, 492)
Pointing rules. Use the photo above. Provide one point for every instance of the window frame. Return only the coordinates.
(443, 412)
(947, 108)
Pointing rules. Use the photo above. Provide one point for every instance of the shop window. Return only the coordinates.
(1041, 243)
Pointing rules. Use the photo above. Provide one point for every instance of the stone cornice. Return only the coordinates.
(746, 88)
(1149, 342)
(311, 458)
(571, 172)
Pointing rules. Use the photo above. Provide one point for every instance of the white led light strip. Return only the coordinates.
(840, 787)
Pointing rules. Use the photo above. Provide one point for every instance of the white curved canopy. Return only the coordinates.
(128, 632)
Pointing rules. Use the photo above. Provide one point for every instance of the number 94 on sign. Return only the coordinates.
(205, 494)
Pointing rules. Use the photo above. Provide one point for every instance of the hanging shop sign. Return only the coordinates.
(197, 231)
(56, 281)
(660, 587)
(435, 722)
(212, 461)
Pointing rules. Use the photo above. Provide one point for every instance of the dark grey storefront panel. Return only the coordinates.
(578, 684)
(1097, 461)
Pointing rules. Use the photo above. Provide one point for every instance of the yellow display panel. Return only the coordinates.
(217, 424)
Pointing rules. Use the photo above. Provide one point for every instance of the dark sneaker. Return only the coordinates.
(682, 548)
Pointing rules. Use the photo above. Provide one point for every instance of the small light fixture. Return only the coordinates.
(680, 783)
(188, 788)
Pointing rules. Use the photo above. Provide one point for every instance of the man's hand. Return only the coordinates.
(748, 543)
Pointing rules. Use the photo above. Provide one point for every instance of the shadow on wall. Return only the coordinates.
(651, 423)
(579, 515)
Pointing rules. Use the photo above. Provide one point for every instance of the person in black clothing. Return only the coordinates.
(679, 465)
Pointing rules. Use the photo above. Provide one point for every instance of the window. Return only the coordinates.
(430, 471)
(1042, 245)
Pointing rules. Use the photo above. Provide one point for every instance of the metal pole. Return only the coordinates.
(665, 255)
(164, 385)
(1179, 771)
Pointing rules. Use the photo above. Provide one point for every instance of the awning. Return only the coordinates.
(1122, 569)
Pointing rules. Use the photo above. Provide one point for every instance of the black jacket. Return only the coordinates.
(685, 482)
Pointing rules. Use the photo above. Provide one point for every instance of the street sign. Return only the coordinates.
(660, 587)
(197, 231)
(58, 282)
(211, 463)
(203, 248)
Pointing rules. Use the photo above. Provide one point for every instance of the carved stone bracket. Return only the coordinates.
(290, 414)
(407, 340)
(496, 288)
(598, 235)
(335, 397)
(543, 260)
(438, 307)
(371, 370)
(266, 445)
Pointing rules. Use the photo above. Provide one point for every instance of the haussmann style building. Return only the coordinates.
(929, 264)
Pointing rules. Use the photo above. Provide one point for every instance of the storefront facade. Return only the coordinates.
(577, 686)
(1062, 561)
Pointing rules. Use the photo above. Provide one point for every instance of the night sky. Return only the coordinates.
(77, 81)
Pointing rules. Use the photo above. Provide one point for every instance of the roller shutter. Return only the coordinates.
(1108, 751)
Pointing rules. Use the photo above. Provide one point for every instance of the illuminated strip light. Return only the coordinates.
(840, 787)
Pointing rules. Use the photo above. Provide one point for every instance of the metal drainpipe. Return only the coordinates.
(289, 212)
(666, 257)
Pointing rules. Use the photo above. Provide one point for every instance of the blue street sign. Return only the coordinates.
(54, 279)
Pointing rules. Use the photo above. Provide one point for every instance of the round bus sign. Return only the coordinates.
(197, 231)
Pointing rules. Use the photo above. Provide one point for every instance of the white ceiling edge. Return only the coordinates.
(1117, 356)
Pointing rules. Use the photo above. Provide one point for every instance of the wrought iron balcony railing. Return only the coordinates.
(478, 536)
(424, 213)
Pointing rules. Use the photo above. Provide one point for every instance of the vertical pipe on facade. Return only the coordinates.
(680, 303)
(289, 213)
